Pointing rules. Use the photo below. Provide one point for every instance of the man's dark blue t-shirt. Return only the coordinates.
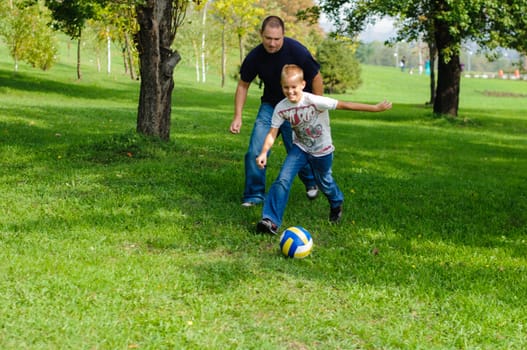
(268, 67)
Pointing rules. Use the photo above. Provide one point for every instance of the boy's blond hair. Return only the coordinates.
(292, 70)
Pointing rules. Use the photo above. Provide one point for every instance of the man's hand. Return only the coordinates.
(239, 101)
(236, 126)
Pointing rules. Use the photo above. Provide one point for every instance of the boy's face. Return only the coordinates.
(292, 87)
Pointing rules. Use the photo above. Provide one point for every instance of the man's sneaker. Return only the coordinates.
(312, 192)
(266, 226)
(248, 204)
(335, 214)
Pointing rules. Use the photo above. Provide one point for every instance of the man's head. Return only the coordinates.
(293, 83)
(272, 33)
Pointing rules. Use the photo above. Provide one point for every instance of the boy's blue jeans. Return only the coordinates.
(297, 159)
(254, 176)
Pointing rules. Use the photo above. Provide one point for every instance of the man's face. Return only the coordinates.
(272, 39)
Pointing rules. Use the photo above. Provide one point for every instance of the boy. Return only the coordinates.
(312, 144)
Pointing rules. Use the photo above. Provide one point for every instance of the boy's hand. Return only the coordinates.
(384, 105)
(261, 161)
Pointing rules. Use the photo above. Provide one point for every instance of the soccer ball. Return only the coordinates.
(296, 242)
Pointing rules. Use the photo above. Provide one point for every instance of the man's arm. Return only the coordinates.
(239, 101)
(317, 85)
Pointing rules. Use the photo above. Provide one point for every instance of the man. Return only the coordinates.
(266, 61)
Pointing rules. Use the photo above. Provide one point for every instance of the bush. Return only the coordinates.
(27, 34)
(338, 65)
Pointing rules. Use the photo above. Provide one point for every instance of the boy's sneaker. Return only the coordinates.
(312, 192)
(335, 214)
(266, 226)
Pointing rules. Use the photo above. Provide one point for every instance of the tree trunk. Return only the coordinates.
(240, 44)
(108, 51)
(196, 60)
(125, 59)
(432, 51)
(203, 44)
(129, 56)
(448, 73)
(157, 63)
(79, 44)
(223, 55)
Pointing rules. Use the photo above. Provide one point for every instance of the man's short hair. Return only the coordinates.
(273, 22)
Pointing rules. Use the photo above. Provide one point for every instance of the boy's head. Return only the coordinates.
(293, 83)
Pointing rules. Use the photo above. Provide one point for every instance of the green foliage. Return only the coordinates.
(338, 65)
(71, 16)
(240, 17)
(490, 23)
(25, 30)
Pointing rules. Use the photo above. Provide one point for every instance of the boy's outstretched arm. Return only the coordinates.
(261, 160)
(379, 107)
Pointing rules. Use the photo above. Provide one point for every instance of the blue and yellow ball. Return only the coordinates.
(296, 242)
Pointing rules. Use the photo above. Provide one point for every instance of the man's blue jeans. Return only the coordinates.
(297, 159)
(254, 176)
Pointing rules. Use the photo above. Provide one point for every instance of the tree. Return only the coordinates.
(70, 16)
(203, 46)
(119, 23)
(445, 24)
(195, 38)
(23, 26)
(513, 31)
(97, 36)
(340, 70)
(240, 16)
(158, 23)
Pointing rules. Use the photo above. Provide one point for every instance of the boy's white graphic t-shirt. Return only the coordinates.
(309, 119)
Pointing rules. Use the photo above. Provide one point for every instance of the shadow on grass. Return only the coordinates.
(29, 83)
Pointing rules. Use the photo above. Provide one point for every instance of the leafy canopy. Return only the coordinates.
(71, 16)
(490, 23)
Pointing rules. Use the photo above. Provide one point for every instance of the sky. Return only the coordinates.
(382, 30)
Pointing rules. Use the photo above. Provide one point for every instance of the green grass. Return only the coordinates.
(112, 241)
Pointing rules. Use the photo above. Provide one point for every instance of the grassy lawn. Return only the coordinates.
(111, 241)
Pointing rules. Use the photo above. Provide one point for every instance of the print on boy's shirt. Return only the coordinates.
(314, 131)
(304, 122)
(309, 119)
(309, 134)
(296, 115)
